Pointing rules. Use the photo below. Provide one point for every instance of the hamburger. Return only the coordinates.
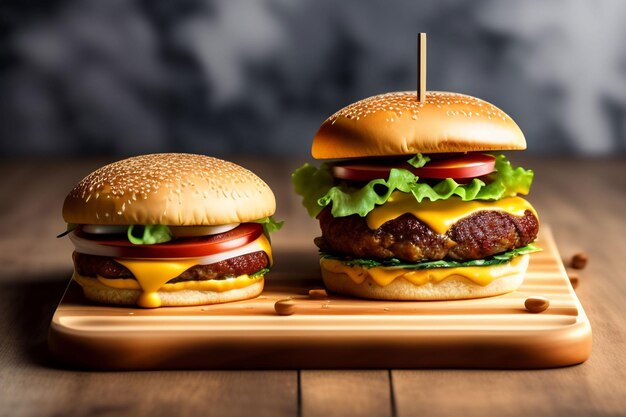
(170, 230)
(415, 200)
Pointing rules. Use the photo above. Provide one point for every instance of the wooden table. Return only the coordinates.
(583, 200)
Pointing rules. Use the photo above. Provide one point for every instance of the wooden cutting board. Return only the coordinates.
(334, 332)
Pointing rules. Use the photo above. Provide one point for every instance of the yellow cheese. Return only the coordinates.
(265, 247)
(356, 273)
(152, 275)
(119, 283)
(440, 215)
(217, 285)
(480, 275)
(383, 276)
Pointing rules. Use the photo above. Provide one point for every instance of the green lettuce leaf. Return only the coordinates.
(312, 183)
(150, 235)
(317, 188)
(269, 225)
(397, 263)
(260, 272)
(418, 160)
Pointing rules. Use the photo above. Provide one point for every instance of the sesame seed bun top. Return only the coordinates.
(397, 124)
(169, 189)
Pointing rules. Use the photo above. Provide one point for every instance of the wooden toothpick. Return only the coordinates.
(421, 66)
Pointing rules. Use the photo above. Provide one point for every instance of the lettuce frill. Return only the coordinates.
(318, 189)
(498, 259)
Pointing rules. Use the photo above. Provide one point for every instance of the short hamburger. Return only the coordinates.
(416, 203)
(170, 230)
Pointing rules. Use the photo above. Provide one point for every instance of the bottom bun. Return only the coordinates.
(94, 290)
(506, 278)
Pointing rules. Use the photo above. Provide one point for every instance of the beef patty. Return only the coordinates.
(477, 236)
(104, 266)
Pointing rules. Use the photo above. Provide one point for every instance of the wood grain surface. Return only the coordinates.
(583, 200)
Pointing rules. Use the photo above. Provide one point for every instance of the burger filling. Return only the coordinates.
(428, 212)
(107, 267)
(480, 235)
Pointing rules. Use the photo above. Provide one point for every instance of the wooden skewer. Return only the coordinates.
(421, 66)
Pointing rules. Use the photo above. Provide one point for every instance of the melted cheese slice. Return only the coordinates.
(480, 275)
(440, 215)
(217, 285)
(152, 275)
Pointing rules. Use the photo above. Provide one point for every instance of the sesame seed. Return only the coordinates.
(401, 102)
(141, 177)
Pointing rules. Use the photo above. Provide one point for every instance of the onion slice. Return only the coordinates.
(177, 231)
(251, 247)
(189, 231)
(104, 229)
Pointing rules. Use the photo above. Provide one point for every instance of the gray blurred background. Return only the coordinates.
(121, 77)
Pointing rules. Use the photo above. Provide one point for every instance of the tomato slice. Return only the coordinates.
(459, 167)
(179, 248)
(466, 166)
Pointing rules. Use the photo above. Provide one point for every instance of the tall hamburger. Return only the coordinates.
(170, 230)
(415, 201)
